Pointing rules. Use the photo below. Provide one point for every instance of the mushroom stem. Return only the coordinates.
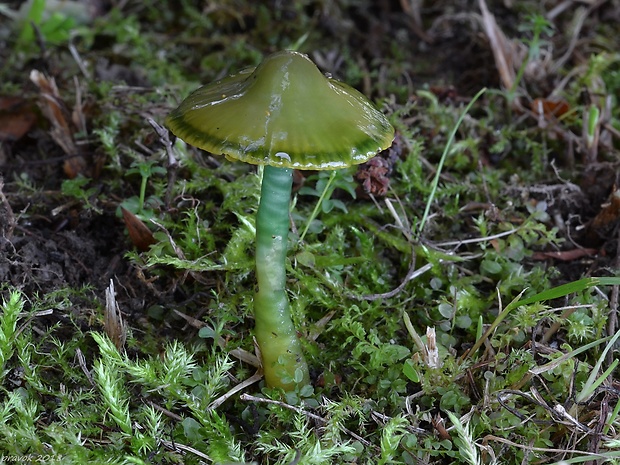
(284, 365)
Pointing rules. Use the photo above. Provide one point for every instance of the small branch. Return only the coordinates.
(411, 274)
(241, 354)
(477, 239)
(173, 164)
(301, 411)
(7, 222)
(248, 382)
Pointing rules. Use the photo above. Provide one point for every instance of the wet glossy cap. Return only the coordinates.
(284, 113)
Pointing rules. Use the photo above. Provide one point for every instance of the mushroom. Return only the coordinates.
(284, 114)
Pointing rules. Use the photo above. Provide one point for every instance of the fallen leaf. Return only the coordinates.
(140, 235)
(16, 118)
(565, 255)
(549, 108)
(54, 109)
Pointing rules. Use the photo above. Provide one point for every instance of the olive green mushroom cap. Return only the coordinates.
(284, 113)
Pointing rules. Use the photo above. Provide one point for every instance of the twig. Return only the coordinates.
(8, 223)
(561, 411)
(500, 46)
(476, 239)
(78, 59)
(82, 362)
(165, 411)
(503, 394)
(176, 447)
(568, 311)
(301, 411)
(173, 164)
(241, 354)
(490, 437)
(411, 274)
(248, 382)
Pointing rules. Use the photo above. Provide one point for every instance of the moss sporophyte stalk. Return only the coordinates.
(285, 114)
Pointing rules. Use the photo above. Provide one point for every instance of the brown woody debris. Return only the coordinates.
(374, 175)
(55, 110)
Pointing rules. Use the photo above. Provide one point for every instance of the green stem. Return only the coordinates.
(283, 361)
(315, 212)
(142, 192)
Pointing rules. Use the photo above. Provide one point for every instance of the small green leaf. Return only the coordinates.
(463, 321)
(207, 333)
(410, 372)
(490, 267)
(191, 428)
(306, 258)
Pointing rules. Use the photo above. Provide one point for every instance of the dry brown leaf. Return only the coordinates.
(140, 235)
(114, 325)
(54, 110)
(565, 255)
(549, 108)
(501, 47)
(16, 118)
